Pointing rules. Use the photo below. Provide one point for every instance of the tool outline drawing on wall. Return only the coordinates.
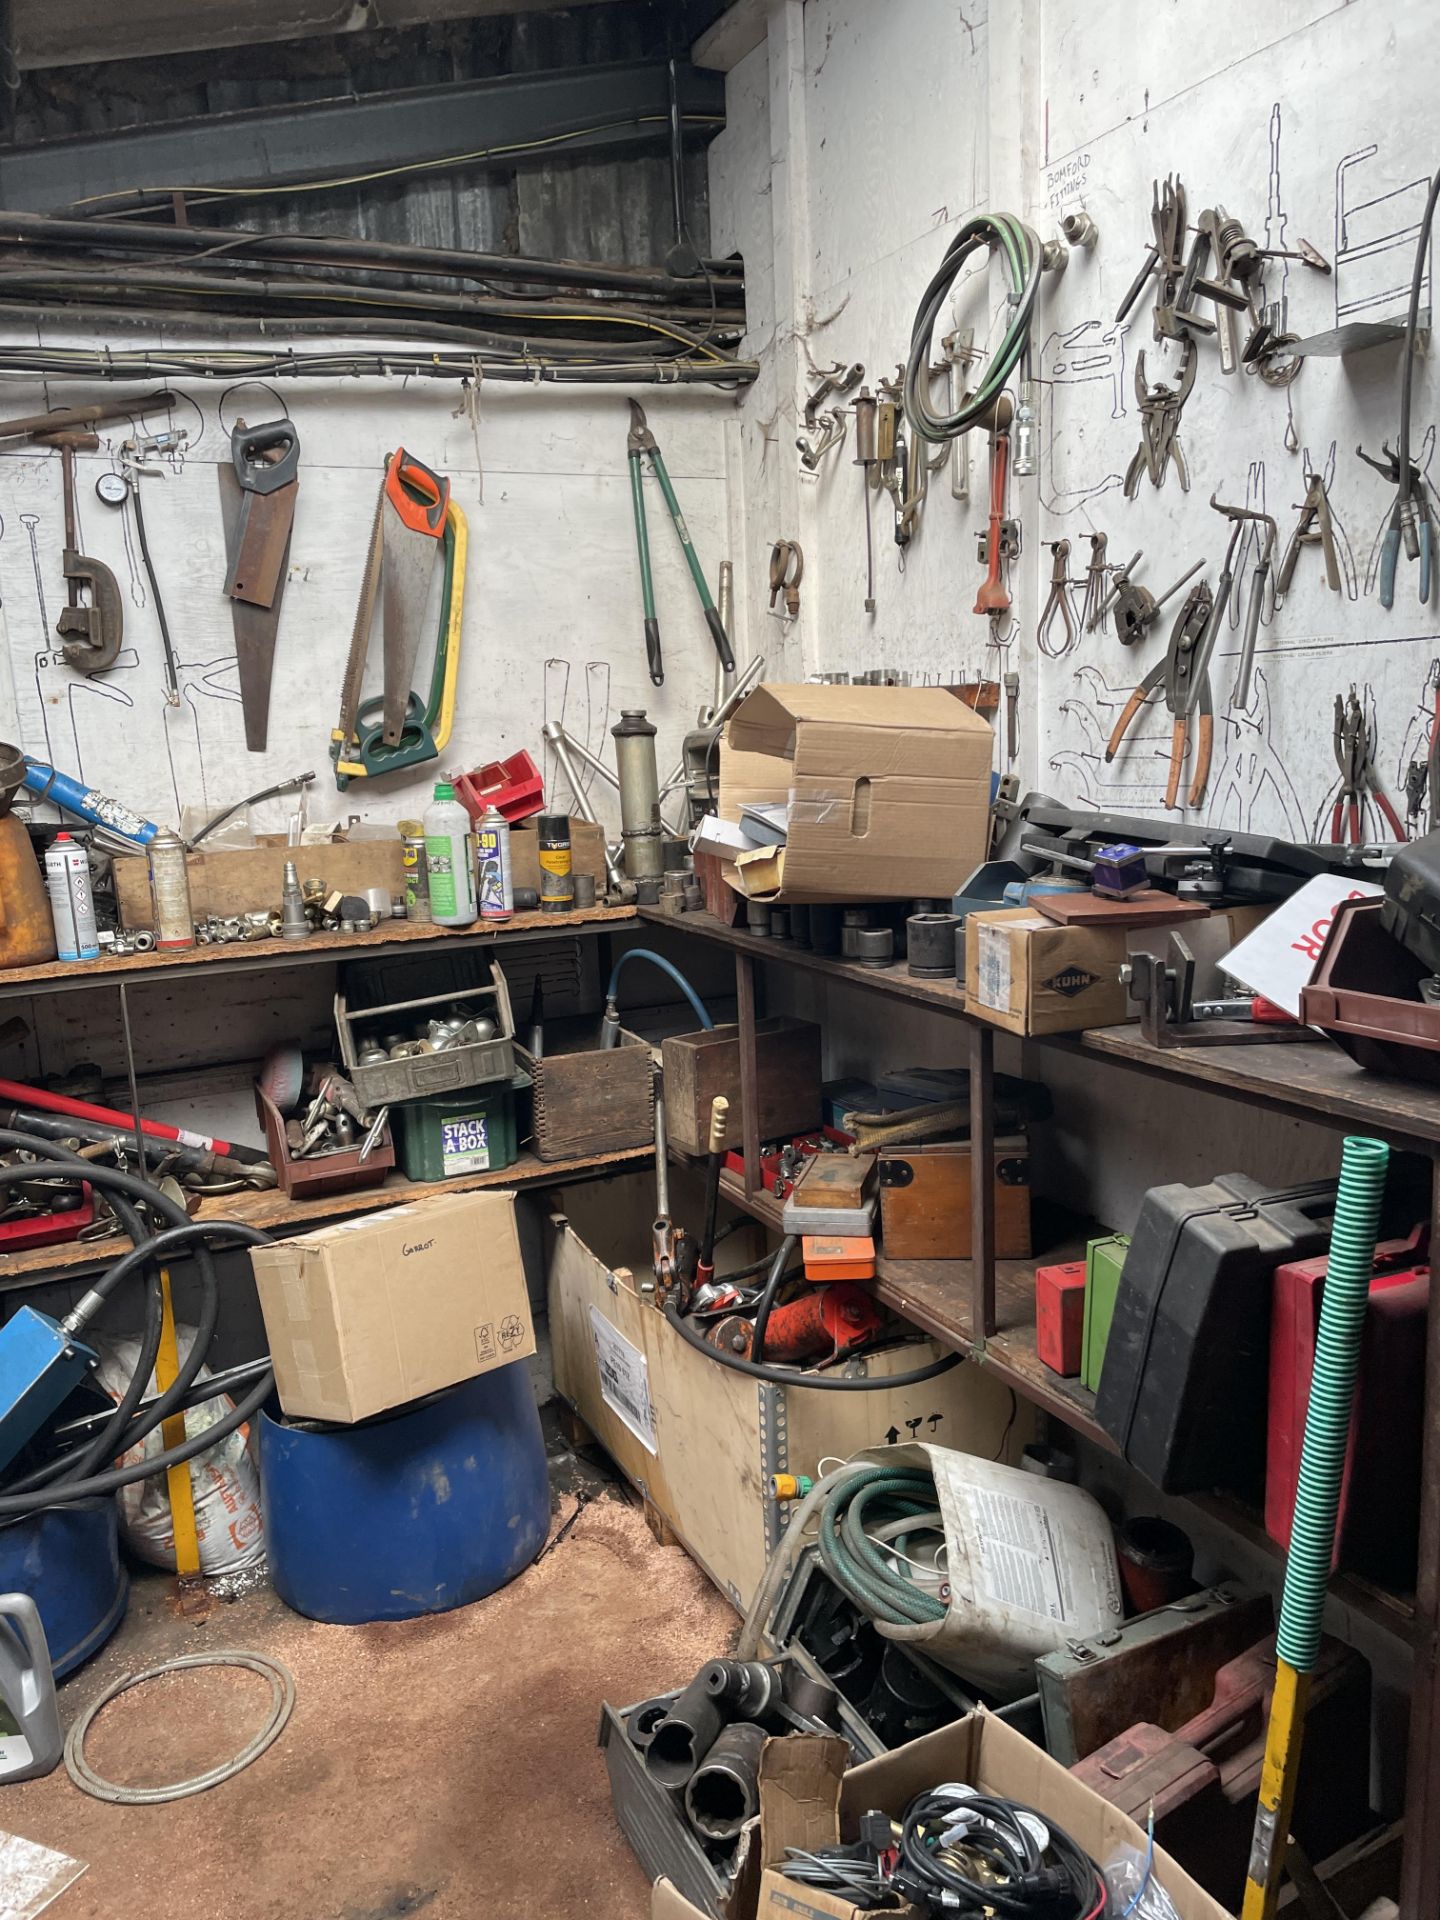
(1375, 236)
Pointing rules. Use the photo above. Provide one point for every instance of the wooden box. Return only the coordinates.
(700, 1065)
(249, 879)
(925, 1200)
(586, 1101)
(698, 1442)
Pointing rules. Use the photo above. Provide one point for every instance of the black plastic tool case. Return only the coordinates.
(1411, 910)
(1183, 1391)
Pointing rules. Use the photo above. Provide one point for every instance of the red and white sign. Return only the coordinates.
(1278, 959)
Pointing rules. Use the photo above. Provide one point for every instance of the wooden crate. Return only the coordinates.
(249, 879)
(700, 1442)
(925, 1200)
(586, 1101)
(700, 1065)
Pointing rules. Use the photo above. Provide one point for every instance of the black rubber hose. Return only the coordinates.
(1412, 321)
(13, 1505)
(782, 1376)
(767, 1298)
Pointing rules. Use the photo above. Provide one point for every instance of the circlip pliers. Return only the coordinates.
(1185, 678)
(1354, 755)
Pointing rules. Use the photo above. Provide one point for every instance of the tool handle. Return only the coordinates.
(1389, 560)
(719, 1119)
(1132, 707)
(24, 1615)
(1177, 755)
(652, 651)
(1204, 746)
(250, 445)
(1392, 818)
(721, 639)
(420, 496)
(70, 440)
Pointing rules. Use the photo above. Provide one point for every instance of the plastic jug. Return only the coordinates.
(27, 932)
(30, 1738)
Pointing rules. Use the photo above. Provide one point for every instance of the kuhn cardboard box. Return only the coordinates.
(808, 1800)
(1029, 975)
(383, 1309)
(886, 790)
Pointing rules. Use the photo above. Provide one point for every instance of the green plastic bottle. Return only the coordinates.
(450, 859)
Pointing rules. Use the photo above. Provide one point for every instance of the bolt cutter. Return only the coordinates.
(642, 440)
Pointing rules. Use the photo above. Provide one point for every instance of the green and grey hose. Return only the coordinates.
(1317, 1504)
(1022, 256)
(867, 1501)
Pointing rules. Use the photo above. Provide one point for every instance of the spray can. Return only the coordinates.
(449, 859)
(417, 875)
(492, 860)
(72, 904)
(644, 836)
(557, 882)
(170, 892)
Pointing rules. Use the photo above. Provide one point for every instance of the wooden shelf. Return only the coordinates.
(278, 1214)
(895, 980)
(262, 956)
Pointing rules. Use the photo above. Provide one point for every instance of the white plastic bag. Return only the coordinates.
(223, 1481)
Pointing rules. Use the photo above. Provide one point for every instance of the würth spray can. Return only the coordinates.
(170, 892)
(72, 904)
(492, 846)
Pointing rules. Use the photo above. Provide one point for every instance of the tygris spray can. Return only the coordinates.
(492, 850)
(72, 905)
(170, 892)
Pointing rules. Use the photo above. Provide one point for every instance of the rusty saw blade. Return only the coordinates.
(255, 627)
(351, 685)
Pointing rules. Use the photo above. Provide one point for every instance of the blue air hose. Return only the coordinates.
(610, 1027)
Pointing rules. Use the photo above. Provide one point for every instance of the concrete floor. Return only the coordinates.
(445, 1765)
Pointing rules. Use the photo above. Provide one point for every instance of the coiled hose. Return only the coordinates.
(1023, 258)
(77, 1476)
(1332, 1390)
(869, 1500)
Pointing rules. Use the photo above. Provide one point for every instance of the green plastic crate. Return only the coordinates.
(1104, 1261)
(473, 1130)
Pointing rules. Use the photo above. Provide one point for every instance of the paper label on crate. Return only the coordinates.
(991, 986)
(465, 1144)
(1018, 1557)
(624, 1379)
(1278, 958)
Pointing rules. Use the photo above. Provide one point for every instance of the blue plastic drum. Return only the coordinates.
(68, 1560)
(409, 1513)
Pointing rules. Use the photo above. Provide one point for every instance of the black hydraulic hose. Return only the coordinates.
(16, 1505)
(767, 1298)
(213, 1387)
(1412, 322)
(783, 1377)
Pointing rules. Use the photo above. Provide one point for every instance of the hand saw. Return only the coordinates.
(412, 518)
(257, 500)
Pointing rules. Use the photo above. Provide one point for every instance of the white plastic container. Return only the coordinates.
(1029, 1564)
(492, 862)
(449, 859)
(72, 904)
(30, 1739)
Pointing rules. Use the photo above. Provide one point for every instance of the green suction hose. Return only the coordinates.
(1317, 1503)
(856, 1508)
(1332, 1390)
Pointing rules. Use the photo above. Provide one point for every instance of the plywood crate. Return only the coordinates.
(586, 1100)
(700, 1442)
(700, 1065)
(226, 881)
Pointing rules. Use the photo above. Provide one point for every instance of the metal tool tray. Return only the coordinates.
(388, 1081)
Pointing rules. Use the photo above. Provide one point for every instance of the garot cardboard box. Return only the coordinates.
(808, 1800)
(887, 791)
(379, 1310)
(1029, 975)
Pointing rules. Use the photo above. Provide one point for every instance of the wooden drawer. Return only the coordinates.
(925, 1200)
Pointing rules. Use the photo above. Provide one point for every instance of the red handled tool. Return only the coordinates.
(412, 520)
(994, 597)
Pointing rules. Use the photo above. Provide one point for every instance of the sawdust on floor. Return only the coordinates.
(445, 1765)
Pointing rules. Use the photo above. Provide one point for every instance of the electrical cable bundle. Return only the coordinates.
(964, 1852)
(1022, 255)
(83, 1473)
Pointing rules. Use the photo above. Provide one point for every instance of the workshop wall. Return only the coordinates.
(552, 621)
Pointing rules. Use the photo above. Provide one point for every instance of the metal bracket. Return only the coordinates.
(1009, 542)
(774, 1456)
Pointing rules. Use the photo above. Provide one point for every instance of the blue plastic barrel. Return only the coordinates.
(409, 1513)
(68, 1560)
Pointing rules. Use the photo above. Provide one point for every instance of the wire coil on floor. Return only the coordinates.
(282, 1702)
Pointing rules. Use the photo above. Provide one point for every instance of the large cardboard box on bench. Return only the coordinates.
(887, 789)
(380, 1310)
(808, 1800)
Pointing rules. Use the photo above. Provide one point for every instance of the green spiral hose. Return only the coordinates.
(1332, 1392)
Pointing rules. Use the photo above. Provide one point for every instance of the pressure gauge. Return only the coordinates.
(113, 489)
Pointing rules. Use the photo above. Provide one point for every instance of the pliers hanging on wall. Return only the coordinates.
(1354, 755)
(1410, 520)
(642, 440)
(1184, 675)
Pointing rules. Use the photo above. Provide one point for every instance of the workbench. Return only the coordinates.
(985, 1308)
(199, 966)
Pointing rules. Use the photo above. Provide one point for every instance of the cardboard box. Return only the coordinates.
(1028, 975)
(380, 1310)
(808, 1800)
(887, 790)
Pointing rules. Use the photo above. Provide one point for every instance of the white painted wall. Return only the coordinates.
(552, 624)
